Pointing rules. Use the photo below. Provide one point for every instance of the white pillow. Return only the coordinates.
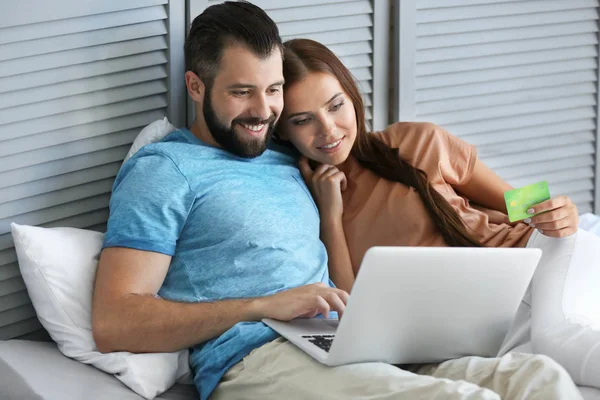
(59, 267)
(153, 132)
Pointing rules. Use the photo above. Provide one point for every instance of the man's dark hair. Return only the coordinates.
(221, 25)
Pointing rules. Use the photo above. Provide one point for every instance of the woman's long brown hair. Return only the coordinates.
(303, 56)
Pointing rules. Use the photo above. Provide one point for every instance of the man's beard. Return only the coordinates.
(229, 139)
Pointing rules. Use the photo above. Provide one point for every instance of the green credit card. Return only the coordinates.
(518, 201)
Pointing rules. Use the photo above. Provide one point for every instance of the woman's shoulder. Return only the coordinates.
(401, 134)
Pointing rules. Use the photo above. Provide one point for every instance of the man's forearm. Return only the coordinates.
(143, 323)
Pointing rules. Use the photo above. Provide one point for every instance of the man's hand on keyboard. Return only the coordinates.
(303, 302)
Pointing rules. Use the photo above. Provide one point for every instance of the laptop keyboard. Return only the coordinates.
(322, 341)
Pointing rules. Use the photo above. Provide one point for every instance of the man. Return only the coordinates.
(222, 227)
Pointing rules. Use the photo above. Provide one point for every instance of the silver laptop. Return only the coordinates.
(421, 305)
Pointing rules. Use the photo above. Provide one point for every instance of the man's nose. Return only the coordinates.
(261, 108)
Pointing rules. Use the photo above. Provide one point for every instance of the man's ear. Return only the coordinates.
(195, 86)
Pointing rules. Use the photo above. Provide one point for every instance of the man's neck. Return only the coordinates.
(200, 130)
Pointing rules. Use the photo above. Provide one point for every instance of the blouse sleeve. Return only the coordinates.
(444, 157)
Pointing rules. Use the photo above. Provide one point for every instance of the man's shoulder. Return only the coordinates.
(175, 148)
(173, 145)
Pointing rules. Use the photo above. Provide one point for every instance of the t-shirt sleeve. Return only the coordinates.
(149, 205)
(443, 156)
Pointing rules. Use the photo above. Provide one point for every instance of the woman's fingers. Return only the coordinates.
(559, 217)
(548, 205)
(553, 225)
(344, 182)
(558, 233)
(305, 169)
(328, 173)
(550, 216)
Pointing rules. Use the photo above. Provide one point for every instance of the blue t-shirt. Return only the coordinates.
(235, 228)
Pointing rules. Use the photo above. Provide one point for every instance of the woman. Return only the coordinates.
(414, 184)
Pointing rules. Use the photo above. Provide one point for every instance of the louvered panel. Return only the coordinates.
(503, 136)
(89, 23)
(495, 9)
(537, 144)
(84, 101)
(63, 166)
(304, 13)
(35, 11)
(516, 79)
(46, 200)
(81, 40)
(519, 159)
(14, 300)
(83, 221)
(80, 71)
(340, 36)
(549, 166)
(501, 86)
(582, 197)
(543, 56)
(72, 134)
(80, 117)
(77, 84)
(425, 4)
(277, 4)
(557, 177)
(572, 186)
(362, 60)
(57, 212)
(80, 177)
(352, 49)
(8, 256)
(512, 47)
(362, 74)
(508, 73)
(81, 86)
(53, 153)
(506, 22)
(39, 336)
(67, 154)
(365, 86)
(80, 56)
(16, 314)
(297, 28)
(9, 271)
(530, 32)
(98, 228)
(20, 329)
(523, 108)
(12, 285)
(522, 121)
(500, 99)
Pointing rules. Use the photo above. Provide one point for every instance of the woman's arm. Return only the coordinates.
(485, 188)
(557, 217)
(326, 184)
(340, 264)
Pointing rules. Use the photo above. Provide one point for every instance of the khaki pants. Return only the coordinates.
(279, 370)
